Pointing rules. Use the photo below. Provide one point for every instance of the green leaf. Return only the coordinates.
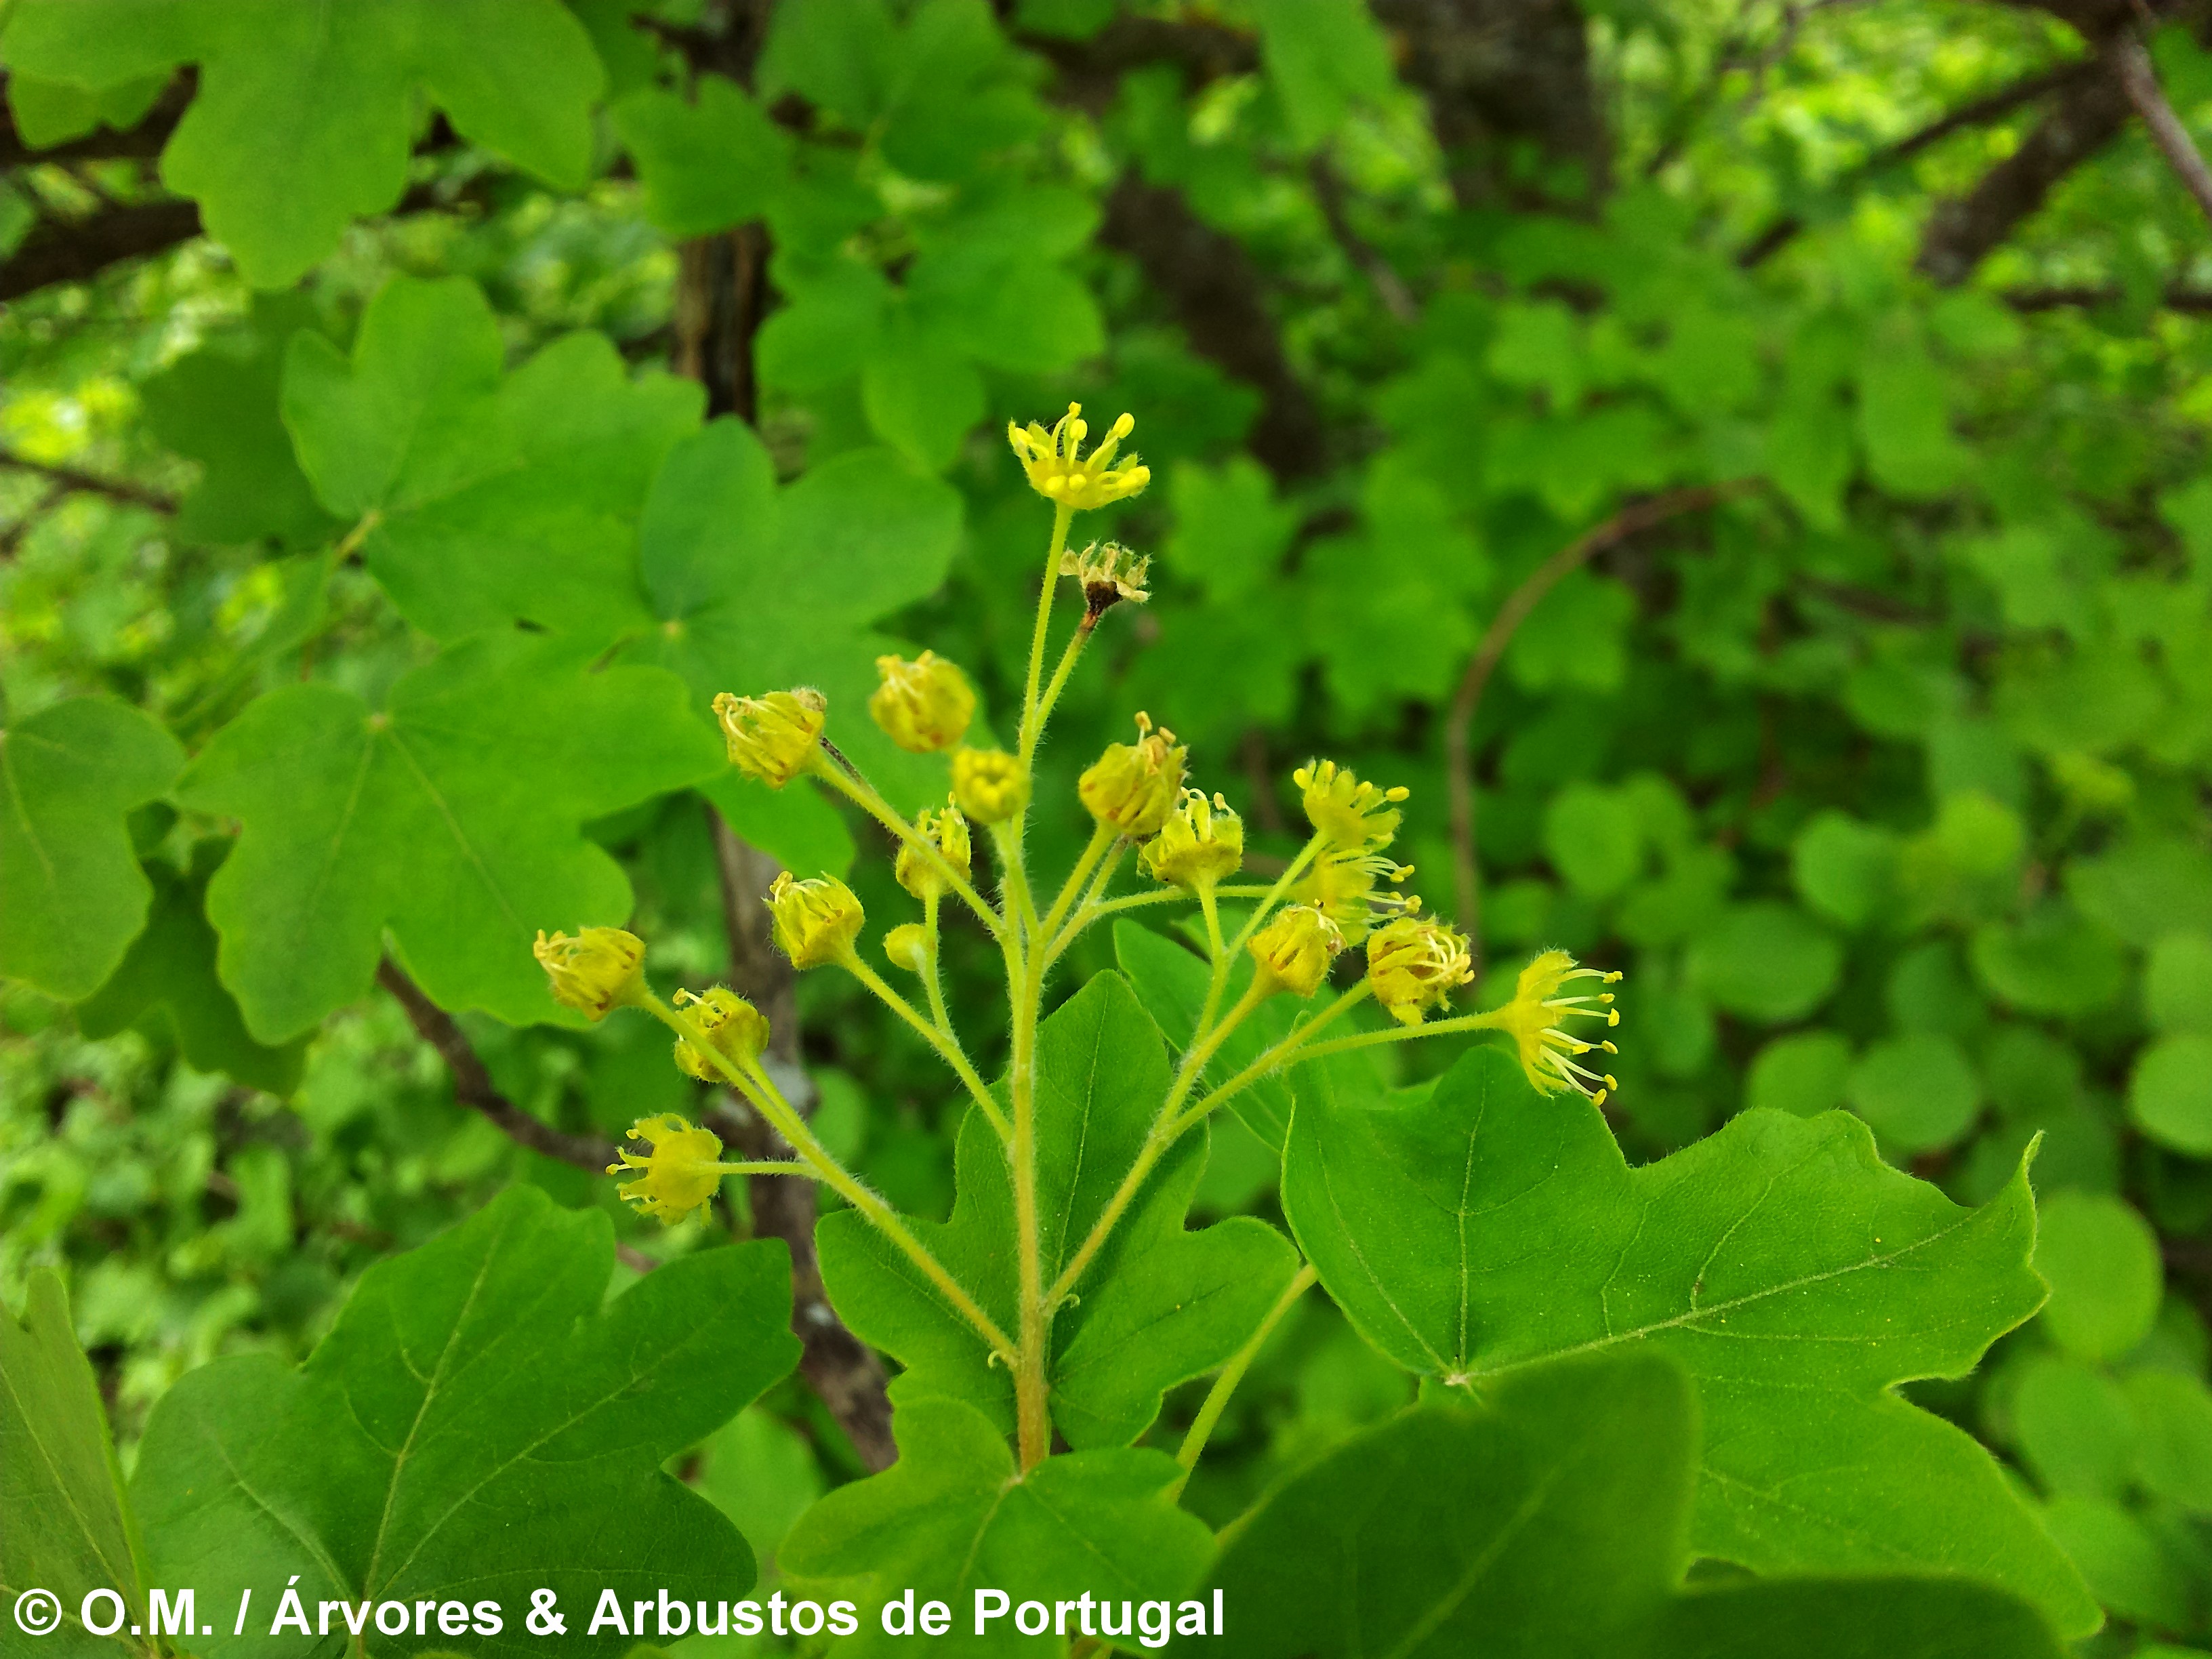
(1158, 1305)
(953, 1515)
(2144, 889)
(2074, 1428)
(497, 497)
(451, 816)
(1231, 532)
(1552, 1523)
(1474, 1230)
(2173, 1417)
(170, 974)
(471, 1428)
(2053, 961)
(756, 588)
(1802, 1073)
(1594, 837)
(1843, 869)
(1170, 980)
(47, 112)
(1766, 962)
(305, 113)
(2123, 1560)
(219, 407)
(72, 897)
(2101, 1260)
(62, 1525)
(706, 162)
(2178, 983)
(1919, 1092)
(2170, 1093)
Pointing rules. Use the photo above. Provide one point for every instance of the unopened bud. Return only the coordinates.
(728, 1024)
(1201, 844)
(593, 972)
(1132, 787)
(946, 830)
(923, 705)
(772, 737)
(989, 785)
(907, 945)
(1293, 951)
(816, 920)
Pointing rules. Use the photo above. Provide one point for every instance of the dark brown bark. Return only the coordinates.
(1508, 82)
(142, 141)
(721, 297)
(75, 251)
(1980, 111)
(472, 1084)
(1962, 232)
(71, 478)
(1213, 289)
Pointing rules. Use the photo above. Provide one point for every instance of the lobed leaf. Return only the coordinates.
(1479, 1228)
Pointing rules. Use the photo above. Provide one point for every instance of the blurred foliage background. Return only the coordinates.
(1743, 464)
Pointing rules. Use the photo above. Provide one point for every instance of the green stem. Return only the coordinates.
(1101, 838)
(759, 1088)
(1491, 1019)
(1014, 879)
(1274, 894)
(774, 1166)
(1032, 1412)
(1211, 910)
(863, 795)
(1050, 701)
(1032, 724)
(1225, 1385)
(947, 1046)
(1088, 911)
(932, 982)
(1275, 1058)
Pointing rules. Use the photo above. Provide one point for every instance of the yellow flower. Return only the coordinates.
(1202, 843)
(732, 1027)
(908, 947)
(679, 1175)
(1533, 1019)
(989, 785)
(597, 969)
(1059, 472)
(1295, 950)
(1132, 787)
(772, 737)
(1109, 574)
(946, 830)
(1413, 965)
(1347, 812)
(816, 920)
(1341, 886)
(924, 705)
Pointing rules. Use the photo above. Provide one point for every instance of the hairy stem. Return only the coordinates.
(1101, 838)
(1032, 722)
(1274, 1059)
(947, 1045)
(863, 795)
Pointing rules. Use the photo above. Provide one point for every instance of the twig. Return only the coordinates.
(1459, 724)
(2138, 77)
(472, 1084)
(70, 478)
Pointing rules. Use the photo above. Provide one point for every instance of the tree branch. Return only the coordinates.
(1980, 111)
(70, 479)
(2138, 78)
(1458, 723)
(1963, 231)
(141, 142)
(472, 1084)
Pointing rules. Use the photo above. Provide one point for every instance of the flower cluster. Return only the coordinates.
(1342, 892)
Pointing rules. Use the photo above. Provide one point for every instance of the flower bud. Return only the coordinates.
(1201, 844)
(908, 947)
(923, 705)
(1132, 787)
(1058, 471)
(946, 830)
(772, 737)
(989, 785)
(1295, 950)
(593, 972)
(816, 920)
(1413, 964)
(678, 1174)
(1347, 812)
(732, 1027)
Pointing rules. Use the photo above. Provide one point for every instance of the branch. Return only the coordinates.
(2196, 302)
(141, 142)
(75, 251)
(1459, 724)
(1963, 231)
(472, 1084)
(1213, 288)
(70, 479)
(2138, 78)
(1991, 107)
